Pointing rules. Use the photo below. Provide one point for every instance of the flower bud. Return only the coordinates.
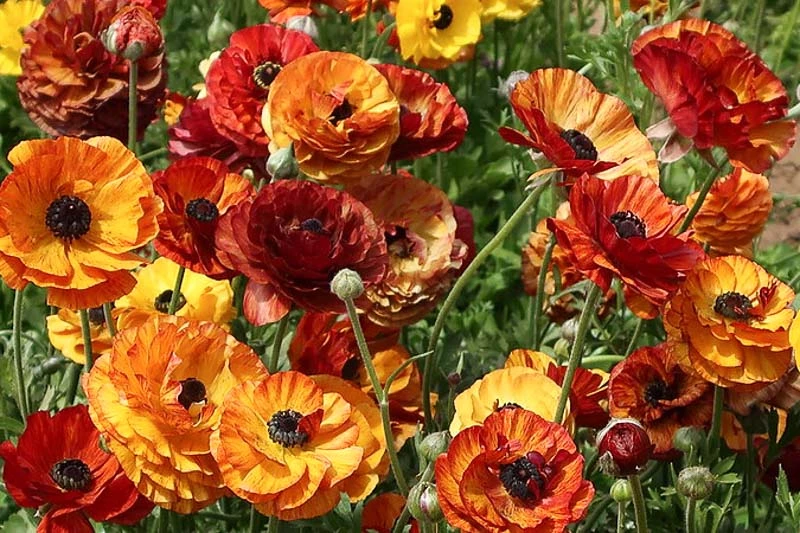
(688, 438)
(561, 349)
(347, 284)
(696, 482)
(304, 24)
(624, 447)
(434, 445)
(569, 329)
(133, 33)
(621, 491)
(282, 164)
(423, 502)
(507, 87)
(454, 378)
(219, 31)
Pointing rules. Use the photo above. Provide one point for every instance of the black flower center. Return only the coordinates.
(192, 391)
(443, 17)
(522, 479)
(733, 305)
(283, 429)
(658, 390)
(68, 217)
(313, 225)
(341, 112)
(398, 243)
(507, 405)
(264, 74)
(628, 224)
(71, 474)
(581, 144)
(202, 209)
(350, 368)
(96, 316)
(161, 302)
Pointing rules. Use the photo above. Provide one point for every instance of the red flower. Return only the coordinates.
(624, 228)
(58, 463)
(156, 7)
(133, 33)
(196, 192)
(238, 81)
(624, 447)
(716, 91)
(291, 239)
(430, 118)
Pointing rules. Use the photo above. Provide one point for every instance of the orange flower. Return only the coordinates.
(578, 128)
(337, 111)
(382, 511)
(729, 323)
(716, 91)
(517, 472)
(425, 254)
(196, 192)
(71, 214)
(70, 83)
(734, 212)
(280, 11)
(65, 334)
(587, 396)
(430, 118)
(157, 398)
(625, 228)
(322, 438)
(650, 387)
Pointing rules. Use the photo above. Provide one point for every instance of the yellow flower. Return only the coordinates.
(15, 15)
(201, 298)
(435, 29)
(507, 9)
(64, 331)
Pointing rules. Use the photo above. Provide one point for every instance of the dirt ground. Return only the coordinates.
(784, 224)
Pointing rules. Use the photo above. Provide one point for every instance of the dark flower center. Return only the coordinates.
(96, 316)
(161, 302)
(282, 429)
(341, 112)
(71, 474)
(398, 243)
(444, 17)
(507, 405)
(658, 390)
(628, 224)
(581, 144)
(202, 210)
(523, 479)
(313, 225)
(68, 217)
(264, 74)
(192, 391)
(350, 368)
(733, 305)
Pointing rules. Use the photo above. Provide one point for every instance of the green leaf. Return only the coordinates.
(11, 424)
(19, 523)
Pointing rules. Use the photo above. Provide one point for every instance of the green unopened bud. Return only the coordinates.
(696, 482)
(282, 164)
(347, 284)
(561, 349)
(249, 175)
(621, 491)
(434, 445)
(423, 503)
(219, 31)
(688, 438)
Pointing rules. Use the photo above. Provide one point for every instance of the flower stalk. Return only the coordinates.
(87, 339)
(701, 197)
(133, 82)
(639, 510)
(283, 325)
(16, 335)
(112, 329)
(176, 291)
(691, 508)
(716, 421)
(540, 283)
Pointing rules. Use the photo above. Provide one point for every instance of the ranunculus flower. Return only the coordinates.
(523, 473)
(729, 323)
(15, 15)
(291, 239)
(59, 467)
(72, 213)
(437, 30)
(66, 334)
(716, 91)
(382, 511)
(578, 128)
(430, 118)
(238, 82)
(133, 33)
(624, 447)
(507, 9)
(72, 85)
(157, 398)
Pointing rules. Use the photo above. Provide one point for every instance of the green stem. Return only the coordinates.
(598, 510)
(576, 354)
(152, 154)
(559, 12)
(402, 520)
(620, 517)
(176, 291)
(540, 289)
(112, 329)
(133, 82)
(793, 15)
(87, 339)
(272, 366)
(16, 335)
(701, 197)
(73, 379)
(365, 29)
(750, 483)
(255, 520)
(273, 525)
(638, 503)
(597, 360)
(691, 508)
(716, 420)
(759, 23)
(460, 284)
(635, 337)
(380, 394)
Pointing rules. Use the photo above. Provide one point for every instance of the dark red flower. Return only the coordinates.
(430, 118)
(196, 192)
(624, 447)
(238, 81)
(58, 465)
(156, 7)
(291, 239)
(788, 460)
(134, 33)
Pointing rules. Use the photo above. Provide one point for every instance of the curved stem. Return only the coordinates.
(73, 379)
(176, 291)
(620, 517)
(87, 339)
(112, 328)
(133, 82)
(701, 197)
(540, 283)
(599, 508)
(402, 520)
(716, 421)
(380, 394)
(273, 525)
(576, 354)
(272, 366)
(255, 520)
(16, 335)
(634, 337)
(691, 508)
(517, 217)
(638, 503)
(365, 29)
